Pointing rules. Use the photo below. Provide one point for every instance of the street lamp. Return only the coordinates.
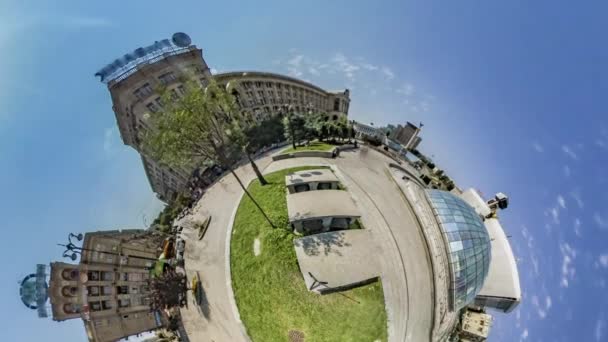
(71, 247)
(72, 251)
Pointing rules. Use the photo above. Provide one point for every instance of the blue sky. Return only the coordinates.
(511, 94)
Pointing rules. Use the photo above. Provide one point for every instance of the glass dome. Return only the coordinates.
(468, 245)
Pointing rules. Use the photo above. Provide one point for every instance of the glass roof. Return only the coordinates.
(468, 245)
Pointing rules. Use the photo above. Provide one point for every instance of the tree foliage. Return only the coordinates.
(198, 126)
(265, 133)
(202, 125)
(295, 128)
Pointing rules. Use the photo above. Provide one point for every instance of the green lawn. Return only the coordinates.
(313, 146)
(270, 291)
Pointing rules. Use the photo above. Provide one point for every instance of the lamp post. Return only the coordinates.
(72, 251)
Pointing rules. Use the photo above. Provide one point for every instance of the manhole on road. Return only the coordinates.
(295, 336)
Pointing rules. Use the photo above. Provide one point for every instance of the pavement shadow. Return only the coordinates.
(325, 243)
(202, 301)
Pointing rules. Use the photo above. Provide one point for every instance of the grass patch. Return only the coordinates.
(313, 146)
(270, 292)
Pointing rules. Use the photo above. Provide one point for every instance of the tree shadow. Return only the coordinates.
(325, 243)
(200, 298)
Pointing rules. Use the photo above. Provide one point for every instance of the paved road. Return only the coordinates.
(406, 270)
(215, 320)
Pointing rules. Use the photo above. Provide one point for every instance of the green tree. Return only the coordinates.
(294, 128)
(255, 137)
(313, 124)
(201, 125)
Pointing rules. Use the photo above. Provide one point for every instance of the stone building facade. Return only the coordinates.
(108, 289)
(259, 95)
(407, 135)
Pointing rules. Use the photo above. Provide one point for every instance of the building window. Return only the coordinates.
(336, 104)
(153, 108)
(124, 303)
(95, 306)
(93, 291)
(145, 301)
(93, 275)
(122, 289)
(143, 91)
(167, 78)
(71, 308)
(174, 95)
(258, 84)
(268, 84)
(107, 276)
(69, 274)
(69, 291)
(106, 305)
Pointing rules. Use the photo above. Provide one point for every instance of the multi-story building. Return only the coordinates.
(108, 288)
(475, 326)
(134, 79)
(407, 135)
(363, 131)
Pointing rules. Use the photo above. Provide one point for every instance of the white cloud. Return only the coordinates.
(576, 195)
(600, 221)
(577, 227)
(540, 311)
(313, 71)
(369, 67)
(405, 89)
(548, 302)
(555, 214)
(568, 151)
(518, 318)
(601, 143)
(345, 66)
(294, 66)
(535, 265)
(538, 147)
(568, 271)
(603, 260)
(599, 329)
(388, 72)
(524, 334)
(561, 201)
(213, 71)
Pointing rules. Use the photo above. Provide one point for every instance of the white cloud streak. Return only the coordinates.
(561, 201)
(603, 260)
(524, 335)
(600, 221)
(599, 329)
(388, 72)
(577, 227)
(538, 147)
(568, 271)
(576, 195)
(569, 152)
